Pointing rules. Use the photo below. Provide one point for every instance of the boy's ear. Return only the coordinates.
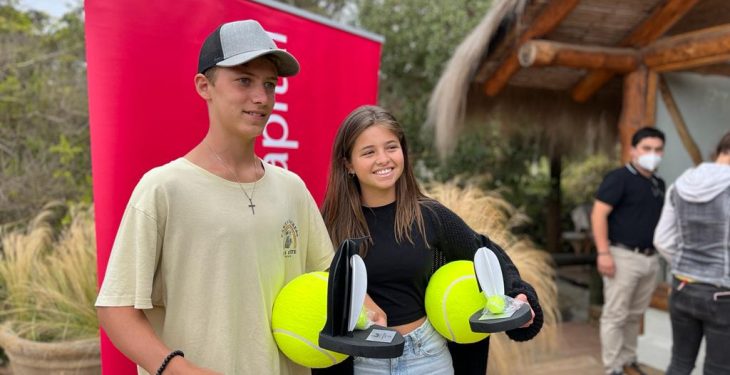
(202, 86)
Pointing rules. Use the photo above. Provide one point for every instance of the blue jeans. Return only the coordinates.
(694, 313)
(425, 352)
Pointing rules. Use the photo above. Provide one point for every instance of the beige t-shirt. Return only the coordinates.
(206, 270)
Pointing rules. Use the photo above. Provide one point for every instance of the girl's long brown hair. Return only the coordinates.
(342, 208)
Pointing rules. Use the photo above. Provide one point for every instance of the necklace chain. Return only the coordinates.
(238, 180)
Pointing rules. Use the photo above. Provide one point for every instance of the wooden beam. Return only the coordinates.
(546, 53)
(654, 26)
(651, 89)
(703, 47)
(682, 130)
(659, 22)
(551, 16)
(590, 83)
(695, 63)
(632, 109)
(717, 70)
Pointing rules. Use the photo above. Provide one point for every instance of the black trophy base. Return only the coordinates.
(520, 317)
(383, 343)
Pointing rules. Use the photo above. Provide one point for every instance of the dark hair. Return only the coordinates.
(722, 147)
(342, 207)
(646, 132)
(210, 74)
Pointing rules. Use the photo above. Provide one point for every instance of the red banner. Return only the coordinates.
(144, 111)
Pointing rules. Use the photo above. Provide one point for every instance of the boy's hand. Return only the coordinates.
(375, 313)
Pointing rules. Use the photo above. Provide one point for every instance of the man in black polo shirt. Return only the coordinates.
(627, 208)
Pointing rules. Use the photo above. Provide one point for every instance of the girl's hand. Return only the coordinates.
(523, 298)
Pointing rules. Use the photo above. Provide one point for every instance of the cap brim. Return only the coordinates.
(286, 64)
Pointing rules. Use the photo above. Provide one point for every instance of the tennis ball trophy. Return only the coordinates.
(346, 289)
(500, 313)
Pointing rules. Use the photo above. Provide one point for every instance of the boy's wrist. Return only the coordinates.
(174, 363)
(178, 365)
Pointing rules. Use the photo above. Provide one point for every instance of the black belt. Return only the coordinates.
(648, 251)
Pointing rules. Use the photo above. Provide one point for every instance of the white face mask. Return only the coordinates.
(649, 161)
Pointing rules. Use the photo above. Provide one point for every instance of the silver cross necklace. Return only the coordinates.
(238, 181)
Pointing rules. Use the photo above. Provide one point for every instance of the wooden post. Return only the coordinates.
(554, 12)
(654, 26)
(682, 130)
(632, 109)
(546, 53)
(651, 89)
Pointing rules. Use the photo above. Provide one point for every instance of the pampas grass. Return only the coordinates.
(494, 217)
(49, 275)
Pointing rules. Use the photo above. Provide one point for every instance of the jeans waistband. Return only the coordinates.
(424, 330)
(648, 251)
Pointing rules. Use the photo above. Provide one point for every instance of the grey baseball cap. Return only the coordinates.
(236, 43)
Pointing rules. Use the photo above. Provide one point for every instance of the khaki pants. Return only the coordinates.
(626, 297)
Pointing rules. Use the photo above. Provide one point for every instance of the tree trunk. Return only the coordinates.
(553, 228)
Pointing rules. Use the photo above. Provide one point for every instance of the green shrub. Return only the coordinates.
(580, 179)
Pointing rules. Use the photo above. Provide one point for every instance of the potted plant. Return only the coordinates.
(48, 273)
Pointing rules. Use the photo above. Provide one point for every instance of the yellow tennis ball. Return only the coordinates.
(362, 319)
(495, 304)
(300, 312)
(452, 296)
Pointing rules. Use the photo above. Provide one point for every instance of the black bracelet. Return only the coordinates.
(167, 360)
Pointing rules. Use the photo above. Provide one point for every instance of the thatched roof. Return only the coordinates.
(543, 94)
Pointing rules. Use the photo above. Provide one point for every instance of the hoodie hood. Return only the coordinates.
(704, 182)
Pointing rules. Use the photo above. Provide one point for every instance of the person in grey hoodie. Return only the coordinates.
(693, 234)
